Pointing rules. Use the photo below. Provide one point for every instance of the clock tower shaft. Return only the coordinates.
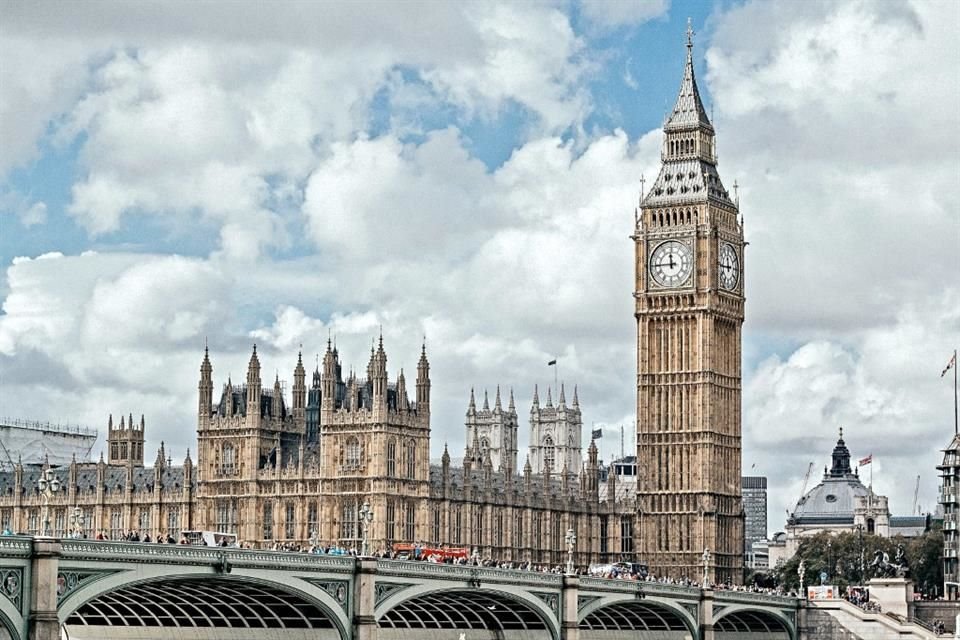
(688, 355)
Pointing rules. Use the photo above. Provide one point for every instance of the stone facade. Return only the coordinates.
(265, 474)
(689, 310)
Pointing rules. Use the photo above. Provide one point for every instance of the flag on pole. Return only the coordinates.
(950, 365)
(597, 433)
(551, 363)
(865, 461)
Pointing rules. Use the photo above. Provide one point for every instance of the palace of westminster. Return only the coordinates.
(288, 470)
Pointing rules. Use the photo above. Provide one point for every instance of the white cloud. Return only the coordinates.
(618, 13)
(257, 126)
(883, 386)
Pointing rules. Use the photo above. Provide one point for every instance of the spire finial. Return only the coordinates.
(841, 433)
(690, 33)
(736, 193)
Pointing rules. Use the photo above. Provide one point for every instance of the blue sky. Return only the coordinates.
(468, 172)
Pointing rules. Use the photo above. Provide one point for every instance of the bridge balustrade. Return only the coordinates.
(47, 583)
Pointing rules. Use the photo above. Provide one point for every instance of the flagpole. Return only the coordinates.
(955, 392)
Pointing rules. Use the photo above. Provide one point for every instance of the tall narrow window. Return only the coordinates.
(60, 523)
(626, 534)
(348, 522)
(548, 454)
(313, 522)
(458, 525)
(351, 458)
(226, 516)
(143, 522)
(229, 460)
(518, 541)
(268, 520)
(604, 538)
(411, 459)
(116, 524)
(435, 528)
(410, 534)
(33, 522)
(88, 522)
(290, 522)
(391, 458)
(173, 522)
(391, 520)
(478, 537)
(556, 537)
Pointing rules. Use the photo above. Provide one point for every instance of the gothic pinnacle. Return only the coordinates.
(563, 400)
(496, 403)
(486, 401)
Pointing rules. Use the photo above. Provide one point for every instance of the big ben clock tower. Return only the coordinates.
(689, 310)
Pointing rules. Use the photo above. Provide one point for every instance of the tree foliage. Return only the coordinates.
(846, 559)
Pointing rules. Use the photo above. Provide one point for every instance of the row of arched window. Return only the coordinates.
(673, 218)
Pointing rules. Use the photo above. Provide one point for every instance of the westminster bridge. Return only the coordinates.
(81, 589)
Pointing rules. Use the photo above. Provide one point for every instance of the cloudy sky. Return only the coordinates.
(260, 172)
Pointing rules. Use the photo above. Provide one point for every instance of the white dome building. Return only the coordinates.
(840, 502)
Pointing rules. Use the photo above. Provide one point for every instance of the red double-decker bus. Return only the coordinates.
(405, 551)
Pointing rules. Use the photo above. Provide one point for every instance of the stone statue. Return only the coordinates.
(885, 569)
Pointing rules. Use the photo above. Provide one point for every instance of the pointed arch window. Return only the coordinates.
(351, 454)
(549, 453)
(228, 460)
(391, 458)
(411, 459)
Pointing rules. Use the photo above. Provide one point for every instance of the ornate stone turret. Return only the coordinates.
(403, 402)
(205, 388)
(555, 434)
(423, 384)
(299, 392)
(254, 391)
(276, 404)
(491, 434)
(125, 443)
(378, 377)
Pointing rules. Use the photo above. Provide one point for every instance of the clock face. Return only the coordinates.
(728, 266)
(671, 263)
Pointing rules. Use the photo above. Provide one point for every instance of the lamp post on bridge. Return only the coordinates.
(706, 568)
(571, 539)
(76, 522)
(48, 485)
(366, 517)
(801, 571)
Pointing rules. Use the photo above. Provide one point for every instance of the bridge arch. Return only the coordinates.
(193, 601)
(503, 610)
(743, 621)
(663, 617)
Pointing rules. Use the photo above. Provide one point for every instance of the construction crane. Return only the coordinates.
(916, 494)
(806, 479)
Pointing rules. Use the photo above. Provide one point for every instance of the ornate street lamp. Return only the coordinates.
(571, 540)
(801, 571)
(76, 522)
(860, 536)
(706, 568)
(366, 517)
(48, 484)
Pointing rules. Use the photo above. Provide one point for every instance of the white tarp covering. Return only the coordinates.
(33, 441)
